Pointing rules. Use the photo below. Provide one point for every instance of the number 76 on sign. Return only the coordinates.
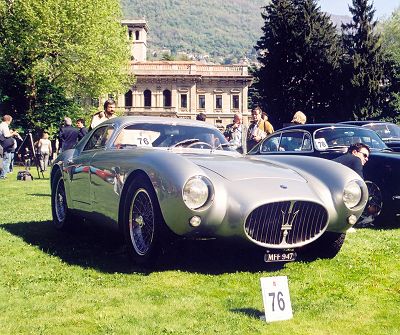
(276, 298)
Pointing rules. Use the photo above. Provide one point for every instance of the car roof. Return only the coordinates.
(121, 120)
(315, 126)
(362, 122)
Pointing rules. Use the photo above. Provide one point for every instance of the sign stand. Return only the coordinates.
(276, 298)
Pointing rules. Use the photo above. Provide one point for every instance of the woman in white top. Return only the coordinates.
(45, 151)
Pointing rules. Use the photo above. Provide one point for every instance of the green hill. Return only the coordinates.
(224, 30)
(220, 29)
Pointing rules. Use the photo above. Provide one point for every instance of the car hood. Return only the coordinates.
(239, 168)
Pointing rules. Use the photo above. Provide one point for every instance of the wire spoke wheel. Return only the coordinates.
(374, 206)
(60, 203)
(63, 219)
(141, 222)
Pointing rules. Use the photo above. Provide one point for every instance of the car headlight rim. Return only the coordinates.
(352, 194)
(197, 192)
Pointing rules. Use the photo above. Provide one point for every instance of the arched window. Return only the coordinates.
(137, 35)
(147, 98)
(167, 98)
(128, 99)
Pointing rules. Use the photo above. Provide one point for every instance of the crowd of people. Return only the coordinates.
(245, 138)
(41, 152)
(69, 135)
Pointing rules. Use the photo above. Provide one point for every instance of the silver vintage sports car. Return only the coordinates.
(160, 177)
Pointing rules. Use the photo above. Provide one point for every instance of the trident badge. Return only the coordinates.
(287, 221)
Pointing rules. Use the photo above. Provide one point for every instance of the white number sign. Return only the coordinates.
(141, 138)
(276, 298)
(321, 144)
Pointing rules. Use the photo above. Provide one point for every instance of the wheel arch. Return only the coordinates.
(132, 176)
(56, 168)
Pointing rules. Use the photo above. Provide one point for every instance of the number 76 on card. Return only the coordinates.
(276, 298)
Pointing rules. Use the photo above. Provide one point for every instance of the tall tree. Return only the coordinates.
(299, 58)
(391, 47)
(71, 48)
(363, 63)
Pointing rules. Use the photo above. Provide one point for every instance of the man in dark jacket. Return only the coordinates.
(80, 123)
(355, 158)
(68, 135)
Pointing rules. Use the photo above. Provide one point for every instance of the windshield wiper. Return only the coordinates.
(126, 146)
(224, 145)
(185, 142)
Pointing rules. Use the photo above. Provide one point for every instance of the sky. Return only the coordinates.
(383, 8)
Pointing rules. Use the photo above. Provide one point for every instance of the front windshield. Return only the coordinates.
(385, 130)
(334, 137)
(168, 135)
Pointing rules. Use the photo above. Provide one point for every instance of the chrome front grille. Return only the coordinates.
(286, 223)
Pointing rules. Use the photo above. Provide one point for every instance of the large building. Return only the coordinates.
(183, 88)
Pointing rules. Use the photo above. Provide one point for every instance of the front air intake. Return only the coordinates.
(286, 224)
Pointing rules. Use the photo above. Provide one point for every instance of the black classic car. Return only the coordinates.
(389, 132)
(329, 141)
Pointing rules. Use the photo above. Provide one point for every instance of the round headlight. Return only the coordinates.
(196, 192)
(352, 194)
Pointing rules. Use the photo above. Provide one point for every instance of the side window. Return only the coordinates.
(292, 141)
(218, 101)
(235, 101)
(271, 144)
(99, 138)
(167, 98)
(147, 98)
(183, 100)
(202, 101)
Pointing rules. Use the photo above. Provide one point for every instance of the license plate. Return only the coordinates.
(279, 256)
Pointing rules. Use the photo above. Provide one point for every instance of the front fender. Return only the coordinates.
(328, 179)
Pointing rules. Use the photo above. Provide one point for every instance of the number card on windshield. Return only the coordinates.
(276, 298)
(321, 144)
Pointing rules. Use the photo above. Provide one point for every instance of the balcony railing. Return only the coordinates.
(187, 68)
(162, 111)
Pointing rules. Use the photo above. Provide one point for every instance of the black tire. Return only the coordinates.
(62, 217)
(326, 247)
(143, 225)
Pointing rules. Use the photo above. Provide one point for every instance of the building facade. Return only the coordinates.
(183, 88)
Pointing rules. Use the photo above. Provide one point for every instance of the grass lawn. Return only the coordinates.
(83, 283)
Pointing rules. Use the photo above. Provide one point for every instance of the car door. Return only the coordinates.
(81, 171)
(104, 180)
